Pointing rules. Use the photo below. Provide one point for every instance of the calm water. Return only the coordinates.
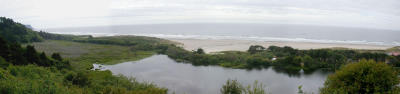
(258, 32)
(186, 78)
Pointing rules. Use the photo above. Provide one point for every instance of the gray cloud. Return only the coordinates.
(384, 14)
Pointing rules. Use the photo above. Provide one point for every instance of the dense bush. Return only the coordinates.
(287, 58)
(310, 64)
(31, 80)
(364, 77)
(80, 79)
(290, 63)
(255, 48)
(255, 61)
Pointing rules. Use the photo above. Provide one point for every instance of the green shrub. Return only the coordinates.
(256, 88)
(80, 79)
(32, 79)
(232, 87)
(364, 77)
(3, 63)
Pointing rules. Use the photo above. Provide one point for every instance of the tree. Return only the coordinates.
(31, 54)
(43, 60)
(255, 48)
(56, 56)
(289, 64)
(309, 63)
(200, 51)
(18, 55)
(364, 77)
(5, 51)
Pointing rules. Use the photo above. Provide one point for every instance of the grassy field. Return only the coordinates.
(83, 55)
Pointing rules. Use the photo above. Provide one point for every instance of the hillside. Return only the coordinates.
(17, 32)
(26, 70)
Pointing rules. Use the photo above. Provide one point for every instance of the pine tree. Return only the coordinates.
(43, 60)
(5, 50)
(32, 55)
(56, 56)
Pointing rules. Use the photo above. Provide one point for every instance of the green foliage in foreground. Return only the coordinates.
(234, 87)
(364, 77)
(33, 79)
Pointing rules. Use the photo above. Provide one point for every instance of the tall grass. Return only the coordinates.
(83, 55)
(32, 79)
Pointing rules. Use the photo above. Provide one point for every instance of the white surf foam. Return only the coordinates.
(252, 38)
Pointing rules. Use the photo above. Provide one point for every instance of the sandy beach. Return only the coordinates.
(212, 45)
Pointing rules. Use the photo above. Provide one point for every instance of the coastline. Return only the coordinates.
(216, 45)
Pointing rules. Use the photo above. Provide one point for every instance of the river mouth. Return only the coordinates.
(185, 78)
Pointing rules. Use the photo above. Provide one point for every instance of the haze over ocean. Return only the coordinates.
(257, 32)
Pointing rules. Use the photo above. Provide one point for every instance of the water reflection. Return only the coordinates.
(186, 78)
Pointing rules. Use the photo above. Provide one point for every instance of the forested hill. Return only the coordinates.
(17, 32)
(12, 53)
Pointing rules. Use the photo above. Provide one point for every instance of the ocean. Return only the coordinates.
(256, 32)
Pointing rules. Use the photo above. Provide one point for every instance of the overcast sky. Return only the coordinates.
(382, 14)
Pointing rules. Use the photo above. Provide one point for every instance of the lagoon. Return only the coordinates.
(184, 78)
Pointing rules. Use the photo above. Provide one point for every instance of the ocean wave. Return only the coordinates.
(252, 38)
(256, 38)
